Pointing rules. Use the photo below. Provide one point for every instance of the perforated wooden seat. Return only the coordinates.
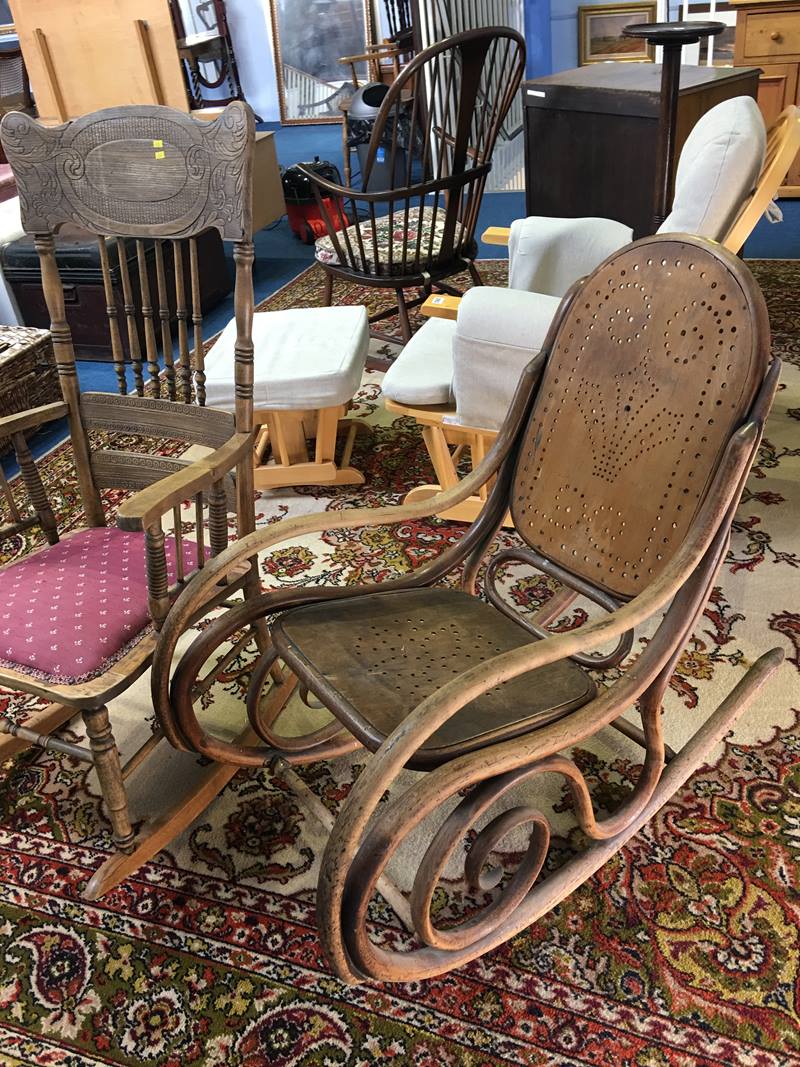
(390, 650)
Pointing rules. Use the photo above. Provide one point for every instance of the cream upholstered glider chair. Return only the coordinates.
(457, 375)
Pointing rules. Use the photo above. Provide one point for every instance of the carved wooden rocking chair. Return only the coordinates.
(79, 616)
(622, 459)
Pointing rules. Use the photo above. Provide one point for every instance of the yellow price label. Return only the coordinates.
(160, 155)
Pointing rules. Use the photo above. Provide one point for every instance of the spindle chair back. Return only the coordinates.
(412, 222)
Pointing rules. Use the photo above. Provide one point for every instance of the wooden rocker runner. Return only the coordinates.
(622, 459)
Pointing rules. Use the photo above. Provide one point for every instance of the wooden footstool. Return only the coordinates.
(308, 364)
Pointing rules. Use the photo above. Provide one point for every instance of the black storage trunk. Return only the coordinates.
(78, 258)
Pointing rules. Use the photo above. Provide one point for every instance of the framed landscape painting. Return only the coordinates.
(600, 29)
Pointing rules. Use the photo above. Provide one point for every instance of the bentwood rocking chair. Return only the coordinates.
(412, 224)
(622, 459)
(79, 617)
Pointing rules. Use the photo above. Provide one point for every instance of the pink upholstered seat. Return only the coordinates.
(69, 612)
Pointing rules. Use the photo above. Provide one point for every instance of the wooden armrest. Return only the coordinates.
(496, 235)
(451, 185)
(374, 51)
(26, 420)
(441, 306)
(147, 506)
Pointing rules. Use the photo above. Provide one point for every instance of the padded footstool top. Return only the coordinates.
(303, 358)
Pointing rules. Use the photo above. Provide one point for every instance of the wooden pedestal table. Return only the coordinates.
(672, 36)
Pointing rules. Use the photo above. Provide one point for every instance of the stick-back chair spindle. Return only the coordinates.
(197, 323)
(426, 164)
(164, 317)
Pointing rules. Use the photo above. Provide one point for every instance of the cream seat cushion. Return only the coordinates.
(423, 372)
(548, 255)
(303, 358)
(718, 168)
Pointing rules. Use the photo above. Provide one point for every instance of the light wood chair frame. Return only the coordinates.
(50, 173)
(446, 441)
(367, 831)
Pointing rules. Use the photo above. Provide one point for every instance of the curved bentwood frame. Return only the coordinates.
(656, 372)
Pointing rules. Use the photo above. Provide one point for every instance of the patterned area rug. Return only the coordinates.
(681, 950)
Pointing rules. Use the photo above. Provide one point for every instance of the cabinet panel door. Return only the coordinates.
(777, 88)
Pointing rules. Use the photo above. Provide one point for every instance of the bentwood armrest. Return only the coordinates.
(496, 235)
(388, 196)
(147, 506)
(26, 420)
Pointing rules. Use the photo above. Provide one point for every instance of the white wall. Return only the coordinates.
(252, 42)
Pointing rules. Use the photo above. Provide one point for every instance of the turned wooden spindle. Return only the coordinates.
(671, 36)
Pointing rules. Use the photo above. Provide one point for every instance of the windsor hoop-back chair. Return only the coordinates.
(622, 460)
(432, 145)
(81, 614)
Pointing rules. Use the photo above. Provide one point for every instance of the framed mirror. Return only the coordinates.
(308, 40)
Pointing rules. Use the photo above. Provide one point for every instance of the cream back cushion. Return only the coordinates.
(718, 168)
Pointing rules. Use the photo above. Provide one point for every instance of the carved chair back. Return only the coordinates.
(155, 178)
(635, 383)
(435, 132)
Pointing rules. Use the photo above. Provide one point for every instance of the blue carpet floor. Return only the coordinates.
(280, 256)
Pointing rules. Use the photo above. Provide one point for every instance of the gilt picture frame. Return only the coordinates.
(311, 81)
(600, 38)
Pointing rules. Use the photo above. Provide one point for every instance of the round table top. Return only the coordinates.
(667, 33)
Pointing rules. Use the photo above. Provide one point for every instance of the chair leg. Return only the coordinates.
(159, 830)
(402, 310)
(157, 834)
(474, 273)
(311, 803)
(444, 466)
(327, 298)
(105, 757)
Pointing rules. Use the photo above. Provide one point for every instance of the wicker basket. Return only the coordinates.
(28, 375)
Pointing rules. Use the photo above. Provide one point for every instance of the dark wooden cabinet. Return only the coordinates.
(590, 135)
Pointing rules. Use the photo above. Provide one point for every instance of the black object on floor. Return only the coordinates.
(78, 258)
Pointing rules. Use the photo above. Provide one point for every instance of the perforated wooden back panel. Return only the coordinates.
(656, 363)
